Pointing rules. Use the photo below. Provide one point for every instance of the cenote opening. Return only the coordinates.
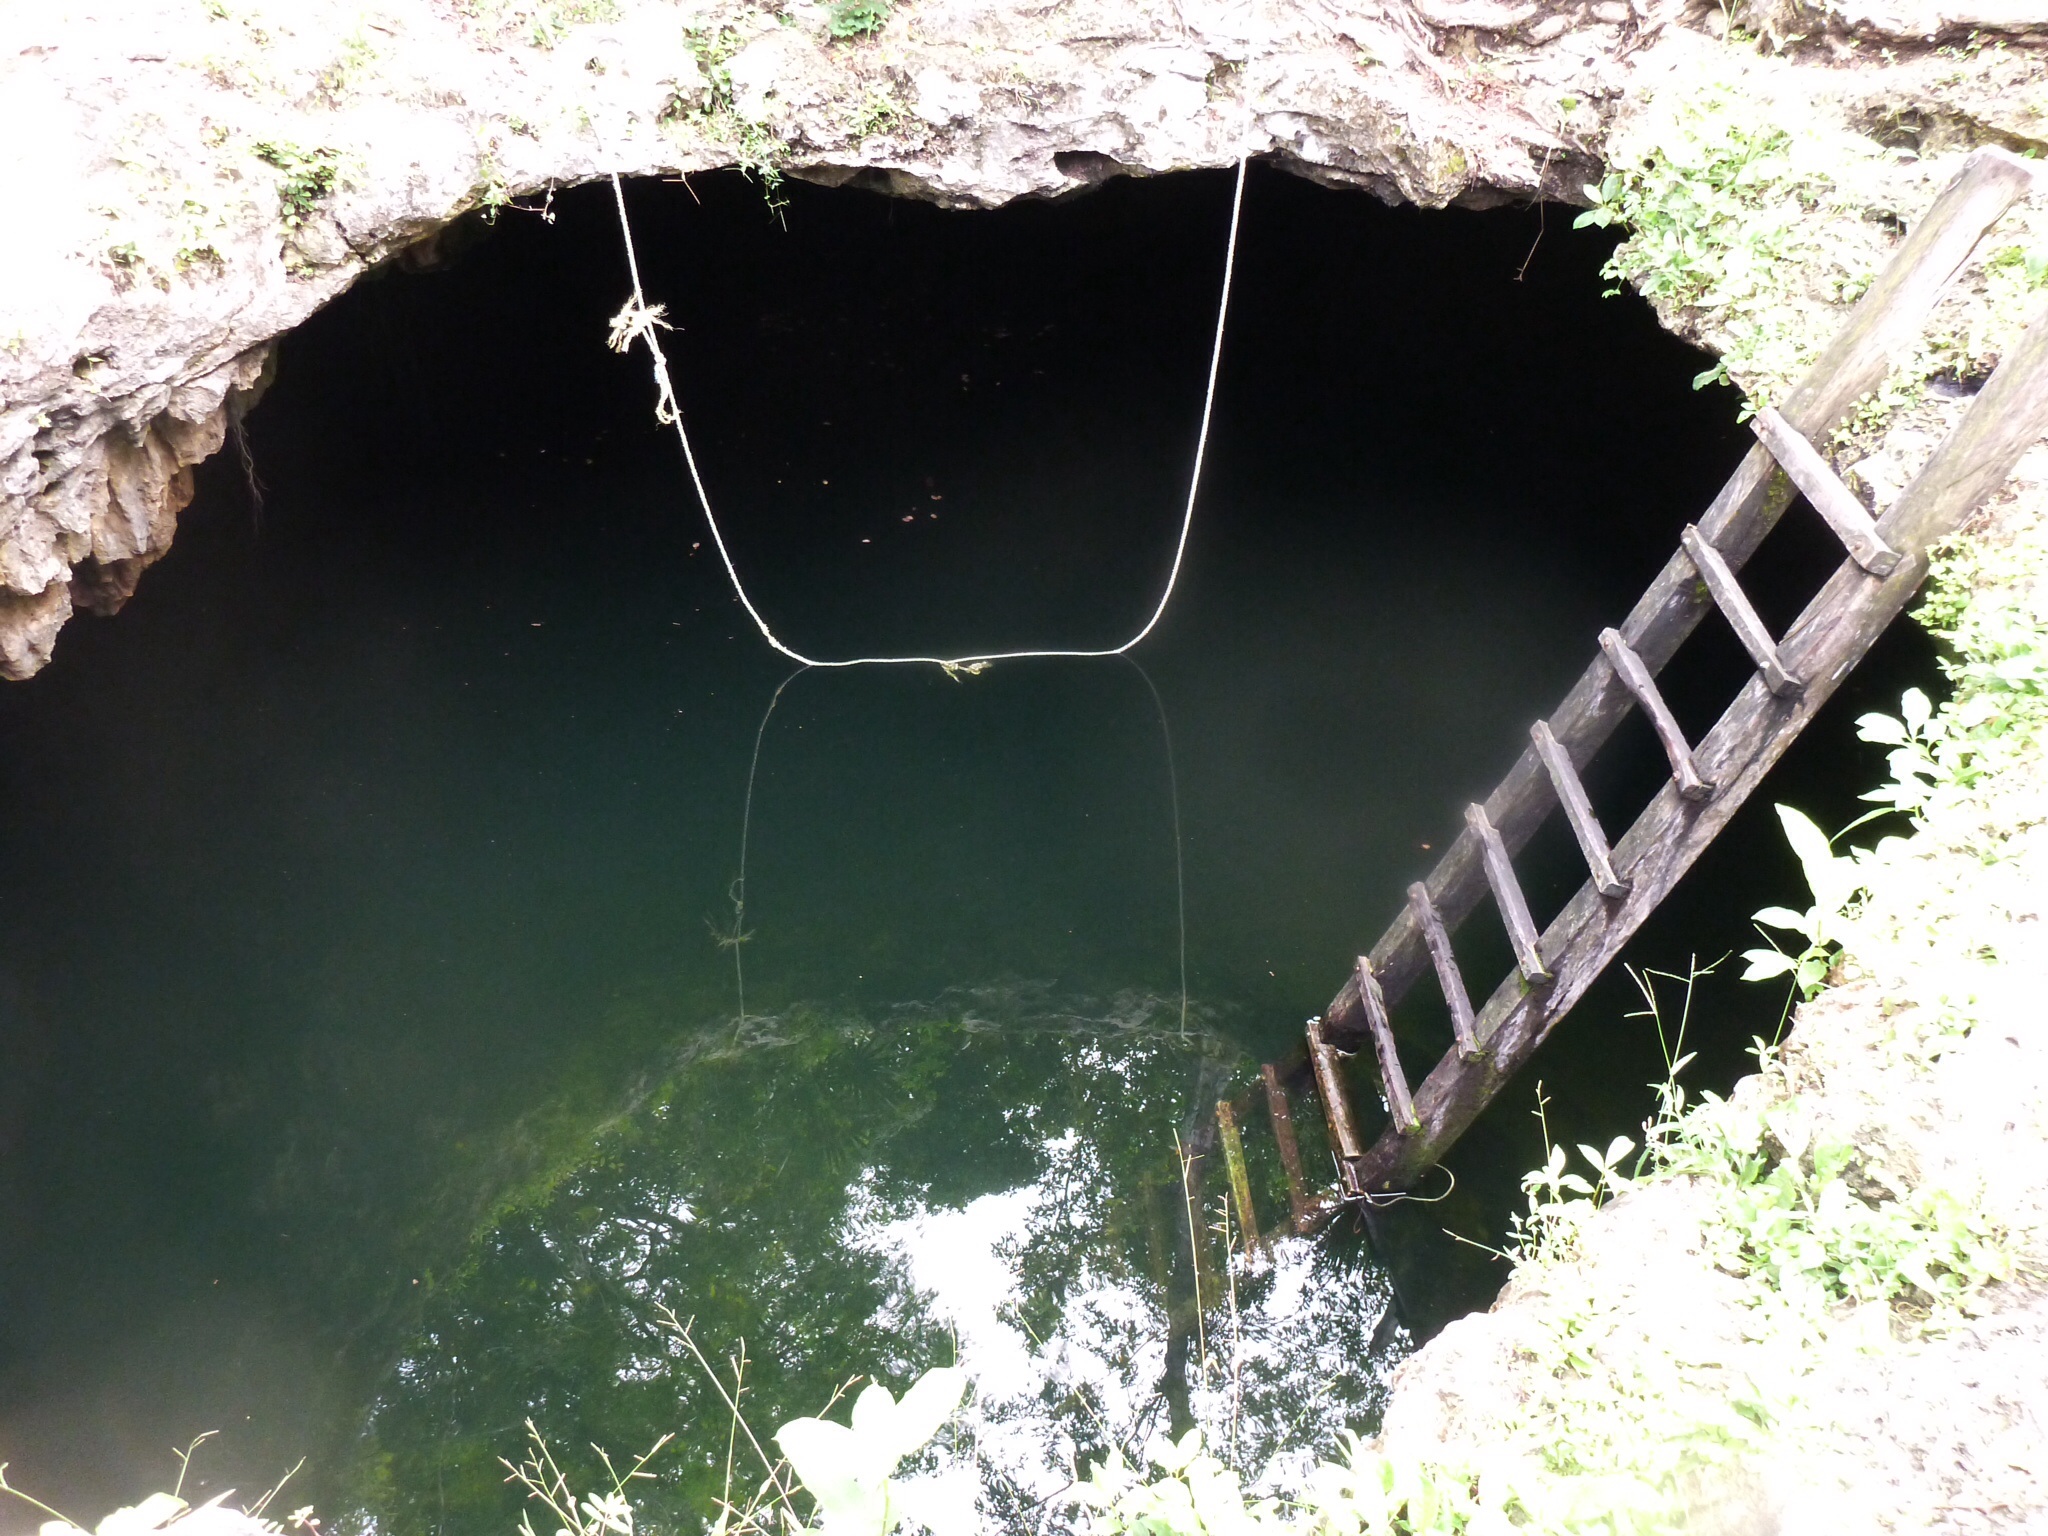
(375, 1064)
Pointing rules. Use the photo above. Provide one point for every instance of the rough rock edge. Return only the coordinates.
(135, 330)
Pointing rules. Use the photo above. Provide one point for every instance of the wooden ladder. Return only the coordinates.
(1795, 675)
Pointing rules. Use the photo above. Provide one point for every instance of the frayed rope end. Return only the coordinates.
(634, 321)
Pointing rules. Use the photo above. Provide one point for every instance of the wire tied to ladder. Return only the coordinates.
(643, 322)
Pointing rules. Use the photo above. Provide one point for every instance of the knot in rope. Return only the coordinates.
(634, 321)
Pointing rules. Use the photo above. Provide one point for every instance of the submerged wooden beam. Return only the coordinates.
(1741, 615)
(1578, 811)
(1240, 1175)
(1345, 1144)
(1281, 1114)
(1448, 976)
(1507, 896)
(1392, 1078)
(1823, 644)
(1883, 325)
(1825, 493)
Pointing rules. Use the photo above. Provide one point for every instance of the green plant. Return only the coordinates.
(848, 1468)
(336, 79)
(2029, 268)
(550, 23)
(540, 25)
(1558, 1199)
(1835, 882)
(1687, 208)
(1980, 608)
(878, 112)
(1716, 211)
(760, 153)
(1794, 1222)
(310, 177)
(1822, 1236)
(857, 18)
(1967, 342)
(490, 191)
(1189, 1493)
(605, 1514)
(713, 51)
(167, 1511)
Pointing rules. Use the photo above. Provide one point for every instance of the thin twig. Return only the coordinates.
(1542, 172)
(31, 1499)
(682, 1331)
(185, 1461)
(255, 1510)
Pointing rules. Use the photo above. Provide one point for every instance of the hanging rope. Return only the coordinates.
(640, 321)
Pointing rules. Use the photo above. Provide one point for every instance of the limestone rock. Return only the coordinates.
(196, 185)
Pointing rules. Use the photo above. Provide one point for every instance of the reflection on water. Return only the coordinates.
(990, 1178)
(1009, 1175)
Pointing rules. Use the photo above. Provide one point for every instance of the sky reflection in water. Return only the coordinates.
(1065, 1287)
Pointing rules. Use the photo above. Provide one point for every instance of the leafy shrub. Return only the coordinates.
(1717, 212)
(857, 18)
(310, 176)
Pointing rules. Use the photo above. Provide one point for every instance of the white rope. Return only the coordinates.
(639, 321)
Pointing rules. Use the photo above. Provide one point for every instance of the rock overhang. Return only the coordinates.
(206, 180)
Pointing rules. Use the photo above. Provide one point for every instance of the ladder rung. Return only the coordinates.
(1282, 1115)
(1635, 677)
(1448, 975)
(1399, 1104)
(1507, 894)
(1825, 492)
(1578, 810)
(1742, 618)
(1344, 1142)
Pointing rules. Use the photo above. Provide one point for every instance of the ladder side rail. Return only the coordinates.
(1881, 326)
(1824, 643)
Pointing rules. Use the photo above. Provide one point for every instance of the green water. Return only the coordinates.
(376, 1064)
